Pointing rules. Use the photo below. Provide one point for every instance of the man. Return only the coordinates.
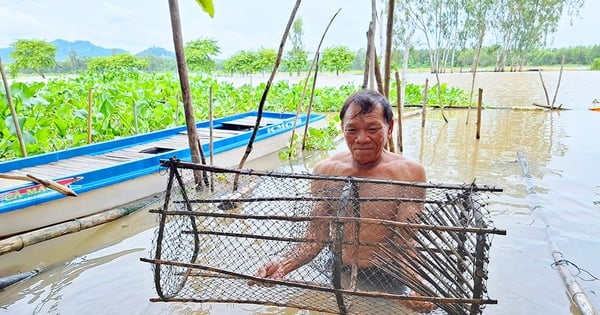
(367, 123)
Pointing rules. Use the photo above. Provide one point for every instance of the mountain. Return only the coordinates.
(82, 49)
(157, 52)
(85, 49)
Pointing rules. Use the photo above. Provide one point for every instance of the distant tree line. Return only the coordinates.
(38, 57)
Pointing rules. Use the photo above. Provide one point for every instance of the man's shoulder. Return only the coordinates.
(331, 164)
(403, 168)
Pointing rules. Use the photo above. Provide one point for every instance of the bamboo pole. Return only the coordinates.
(13, 112)
(562, 63)
(193, 141)
(46, 182)
(267, 87)
(310, 103)
(399, 102)
(576, 293)
(89, 115)
(544, 87)
(313, 65)
(479, 107)
(368, 57)
(388, 47)
(18, 242)
(424, 110)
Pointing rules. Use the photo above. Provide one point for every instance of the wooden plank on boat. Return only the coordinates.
(251, 122)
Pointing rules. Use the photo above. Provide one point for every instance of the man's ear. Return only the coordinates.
(391, 128)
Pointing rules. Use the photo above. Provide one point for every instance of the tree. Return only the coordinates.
(266, 58)
(296, 58)
(337, 58)
(199, 53)
(124, 61)
(596, 64)
(36, 55)
(241, 62)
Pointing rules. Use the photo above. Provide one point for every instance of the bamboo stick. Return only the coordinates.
(46, 182)
(193, 141)
(424, 110)
(479, 107)
(562, 63)
(18, 242)
(399, 108)
(13, 111)
(89, 115)
(331, 218)
(388, 47)
(321, 288)
(544, 87)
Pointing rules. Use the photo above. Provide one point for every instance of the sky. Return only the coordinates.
(135, 25)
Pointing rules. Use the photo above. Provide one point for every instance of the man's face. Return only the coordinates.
(365, 134)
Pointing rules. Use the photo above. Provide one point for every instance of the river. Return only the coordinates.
(556, 207)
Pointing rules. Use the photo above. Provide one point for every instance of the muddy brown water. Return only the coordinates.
(557, 207)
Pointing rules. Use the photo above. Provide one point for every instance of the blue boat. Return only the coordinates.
(113, 173)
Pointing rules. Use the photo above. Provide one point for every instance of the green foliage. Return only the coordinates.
(199, 53)
(247, 62)
(36, 55)
(596, 64)
(317, 139)
(53, 115)
(124, 61)
(296, 60)
(296, 57)
(337, 58)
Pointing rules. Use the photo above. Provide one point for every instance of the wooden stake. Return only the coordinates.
(562, 63)
(424, 103)
(13, 111)
(399, 104)
(193, 141)
(479, 107)
(388, 47)
(89, 116)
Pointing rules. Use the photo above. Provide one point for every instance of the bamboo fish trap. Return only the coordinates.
(211, 241)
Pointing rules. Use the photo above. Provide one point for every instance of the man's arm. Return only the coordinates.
(301, 253)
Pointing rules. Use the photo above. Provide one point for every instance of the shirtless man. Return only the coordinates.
(367, 123)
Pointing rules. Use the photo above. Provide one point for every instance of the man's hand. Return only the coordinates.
(272, 270)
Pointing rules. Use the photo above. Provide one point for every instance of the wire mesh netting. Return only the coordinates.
(362, 246)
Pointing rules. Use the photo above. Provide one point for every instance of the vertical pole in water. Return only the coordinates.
(576, 293)
(399, 104)
(89, 117)
(13, 111)
(479, 105)
(424, 103)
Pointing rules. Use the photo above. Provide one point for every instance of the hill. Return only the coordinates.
(157, 52)
(85, 49)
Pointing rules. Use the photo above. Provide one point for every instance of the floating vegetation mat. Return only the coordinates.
(368, 246)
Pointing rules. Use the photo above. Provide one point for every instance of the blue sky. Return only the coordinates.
(135, 25)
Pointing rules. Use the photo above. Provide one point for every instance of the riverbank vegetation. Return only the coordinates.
(53, 115)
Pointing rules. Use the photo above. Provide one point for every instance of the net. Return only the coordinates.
(363, 246)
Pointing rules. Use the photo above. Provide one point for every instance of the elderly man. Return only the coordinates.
(367, 123)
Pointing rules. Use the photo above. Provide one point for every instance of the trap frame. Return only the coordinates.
(212, 240)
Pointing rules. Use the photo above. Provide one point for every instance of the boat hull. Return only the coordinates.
(30, 207)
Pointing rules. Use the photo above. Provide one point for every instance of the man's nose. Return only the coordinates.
(362, 136)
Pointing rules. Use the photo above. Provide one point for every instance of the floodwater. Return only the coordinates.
(546, 162)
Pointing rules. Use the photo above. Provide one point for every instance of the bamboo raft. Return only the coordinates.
(204, 252)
